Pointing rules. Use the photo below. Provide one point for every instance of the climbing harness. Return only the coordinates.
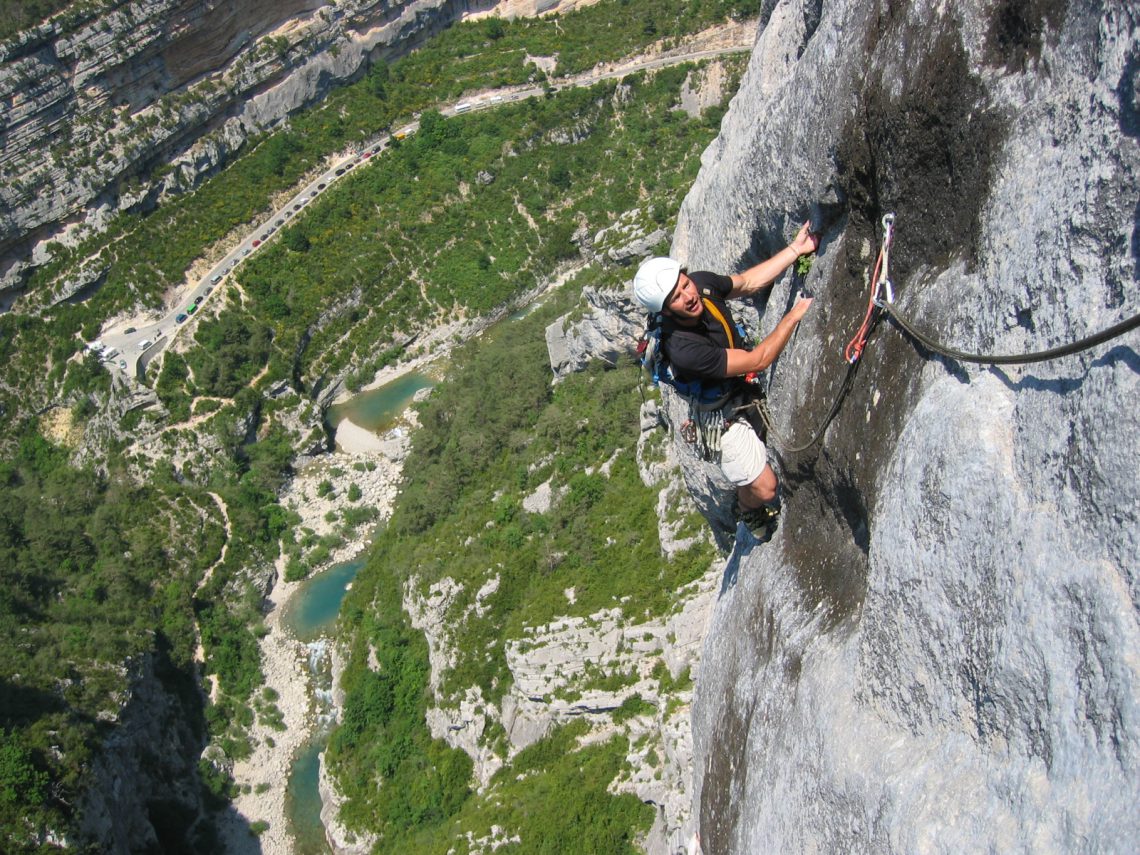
(710, 408)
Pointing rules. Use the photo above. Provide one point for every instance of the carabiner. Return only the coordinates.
(888, 230)
(881, 286)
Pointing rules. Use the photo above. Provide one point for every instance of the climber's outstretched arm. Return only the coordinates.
(766, 272)
(741, 362)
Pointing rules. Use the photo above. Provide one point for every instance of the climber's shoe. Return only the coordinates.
(760, 521)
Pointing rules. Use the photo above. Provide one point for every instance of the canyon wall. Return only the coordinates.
(114, 108)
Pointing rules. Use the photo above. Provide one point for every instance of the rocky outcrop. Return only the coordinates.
(628, 240)
(938, 648)
(92, 105)
(555, 671)
(562, 670)
(341, 839)
(606, 332)
(146, 794)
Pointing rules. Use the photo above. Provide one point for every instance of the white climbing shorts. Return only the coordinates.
(742, 454)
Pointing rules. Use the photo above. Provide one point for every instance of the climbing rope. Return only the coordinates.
(880, 282)
(781, 441)
(907, 326)
(883, 297)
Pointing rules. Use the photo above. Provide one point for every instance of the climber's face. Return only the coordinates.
(684, 303)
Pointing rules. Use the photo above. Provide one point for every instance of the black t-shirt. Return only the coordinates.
(700, 352)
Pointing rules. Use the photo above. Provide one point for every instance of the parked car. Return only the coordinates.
(181, 317)
(192, 308)
(122, 363)
(246, 251)
(197, 299)
(129, 330)
(321, 186)
(256, 243)
(216, 279)
(340, 171)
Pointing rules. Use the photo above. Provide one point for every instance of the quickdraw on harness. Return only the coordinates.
(710, 410)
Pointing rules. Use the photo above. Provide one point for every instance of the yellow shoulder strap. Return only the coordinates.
(716, 313)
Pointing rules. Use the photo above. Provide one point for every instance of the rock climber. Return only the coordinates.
(701, 342)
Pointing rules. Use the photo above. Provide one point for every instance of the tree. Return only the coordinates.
(22, 786)
(378, 80)
(295, 240)
(494, 28)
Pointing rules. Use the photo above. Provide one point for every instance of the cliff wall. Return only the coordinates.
(148, 794)
(937, 651)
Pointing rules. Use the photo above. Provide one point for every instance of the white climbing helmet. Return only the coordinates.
(655, 279)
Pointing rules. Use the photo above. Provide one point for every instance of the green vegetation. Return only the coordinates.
(231, 351)
(409, 254)
(89, 588)
(144, 256)
(17, 15)
(119, 561)
(461, 515)
(555, 798)
(633, 706)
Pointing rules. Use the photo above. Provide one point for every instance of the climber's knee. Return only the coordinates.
(744, 461)
(762, 491)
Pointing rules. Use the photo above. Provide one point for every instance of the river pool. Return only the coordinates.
(377, 409)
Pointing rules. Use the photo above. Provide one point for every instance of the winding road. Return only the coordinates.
(133, 348)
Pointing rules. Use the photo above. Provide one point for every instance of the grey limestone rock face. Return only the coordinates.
(608, 330)
(147, 793)
(938, 649)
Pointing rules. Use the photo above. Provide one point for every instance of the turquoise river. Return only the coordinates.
(311, 615)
